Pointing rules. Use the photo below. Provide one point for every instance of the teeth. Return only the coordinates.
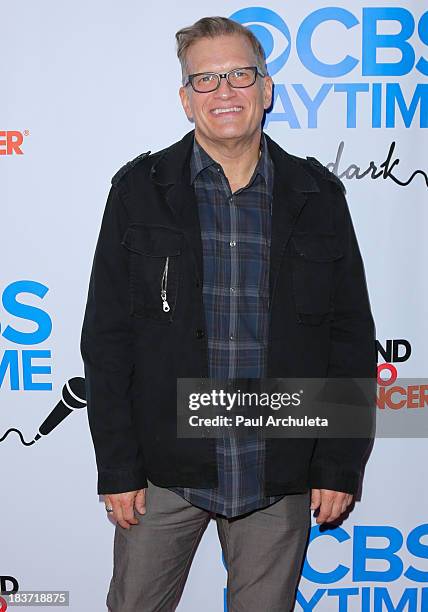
(235, 109)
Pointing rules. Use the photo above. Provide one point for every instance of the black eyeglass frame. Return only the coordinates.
(223, 75)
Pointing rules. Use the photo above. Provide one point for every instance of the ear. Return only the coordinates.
(267, 92)
(185, 101)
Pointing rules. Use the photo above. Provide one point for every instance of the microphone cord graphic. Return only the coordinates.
(73, 398)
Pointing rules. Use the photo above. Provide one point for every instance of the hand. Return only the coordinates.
(123, 506)
(333, 504)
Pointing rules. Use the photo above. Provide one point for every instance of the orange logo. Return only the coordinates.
(398, 396)
(11, 141)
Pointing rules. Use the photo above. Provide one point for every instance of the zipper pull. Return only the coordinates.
(165, 304)
(164, 281)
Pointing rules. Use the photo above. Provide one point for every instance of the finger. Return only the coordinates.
(340, 500)
(118, 514)
(325, 509)
(128, 512)
(336, 511)
(315, 499)
(140, 501)
(110, 503)
(346, 503)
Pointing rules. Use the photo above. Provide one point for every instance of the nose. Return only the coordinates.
(224, 90)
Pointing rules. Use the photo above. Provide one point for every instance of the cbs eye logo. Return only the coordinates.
(265, 24)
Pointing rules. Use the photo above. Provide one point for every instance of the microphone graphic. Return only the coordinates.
(73, 398)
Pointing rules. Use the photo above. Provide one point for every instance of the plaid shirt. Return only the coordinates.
(235, 232)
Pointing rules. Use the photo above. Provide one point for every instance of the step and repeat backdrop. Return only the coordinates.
(87, 86)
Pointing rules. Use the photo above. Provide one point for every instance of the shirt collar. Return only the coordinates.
(200, 160)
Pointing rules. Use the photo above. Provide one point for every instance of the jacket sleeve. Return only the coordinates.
(107, 350)
(337, 462)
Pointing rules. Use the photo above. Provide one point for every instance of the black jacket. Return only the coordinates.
(320, 322)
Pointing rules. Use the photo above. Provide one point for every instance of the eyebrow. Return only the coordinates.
(222, 70)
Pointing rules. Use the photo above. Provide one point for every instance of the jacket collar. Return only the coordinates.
(173, 165)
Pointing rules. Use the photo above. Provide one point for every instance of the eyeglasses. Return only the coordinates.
(204, 82)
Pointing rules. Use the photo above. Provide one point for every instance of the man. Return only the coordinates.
(220, 256)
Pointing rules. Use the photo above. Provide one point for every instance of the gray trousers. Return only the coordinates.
(263, 552)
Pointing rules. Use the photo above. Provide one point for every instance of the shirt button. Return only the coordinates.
(232, 243)
(232, 337)
(232, 289)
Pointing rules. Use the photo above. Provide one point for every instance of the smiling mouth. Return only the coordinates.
(231, 109)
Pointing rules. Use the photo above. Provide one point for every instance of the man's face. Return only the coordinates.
(222, 54)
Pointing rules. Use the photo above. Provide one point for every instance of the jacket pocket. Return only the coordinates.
(154, 267)
(313, 260)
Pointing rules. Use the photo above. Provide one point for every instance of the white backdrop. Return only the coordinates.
(86, 86)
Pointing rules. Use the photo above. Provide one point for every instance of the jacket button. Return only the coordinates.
(198, 283)
(200, 333)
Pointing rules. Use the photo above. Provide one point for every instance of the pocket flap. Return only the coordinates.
(317, 247)
(153, 240)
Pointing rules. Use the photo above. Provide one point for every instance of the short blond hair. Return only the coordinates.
(210, 27)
